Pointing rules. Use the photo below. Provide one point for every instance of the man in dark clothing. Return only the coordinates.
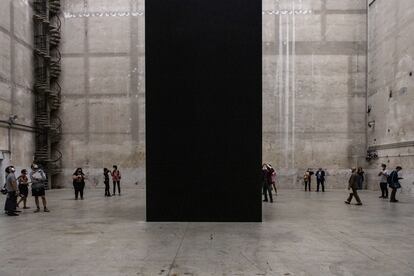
(267, 188)
(320, 179)
(353, 185)
(394, 183)
(12, 192)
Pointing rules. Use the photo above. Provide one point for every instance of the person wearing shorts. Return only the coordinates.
(38, 178)
(23, 181)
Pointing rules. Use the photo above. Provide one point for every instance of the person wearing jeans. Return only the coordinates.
(384, 181)
(116, 179)
(394, 183)
(12, 192)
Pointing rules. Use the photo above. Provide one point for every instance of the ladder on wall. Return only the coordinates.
(47, 69)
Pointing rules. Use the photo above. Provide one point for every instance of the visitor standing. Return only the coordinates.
(23, 181)
(38, 179)
(361, 178)
(320, 179)
(272, 175)
(353, 186)
(116, 179)
(106, 181)
(307, 178)
(266, 184)
(12, 192)
(394, 183)
(78, 183)
(383, 174)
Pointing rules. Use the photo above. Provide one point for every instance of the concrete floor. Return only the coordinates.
(302, 234)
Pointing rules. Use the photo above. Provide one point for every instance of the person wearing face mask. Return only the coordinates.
(78, 183)
(12, 192)
(23, 188)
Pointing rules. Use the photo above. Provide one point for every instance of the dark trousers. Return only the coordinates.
(107, 188)
(393, 193)
(354, 194)
(384, 190)
(119, 186)
(267, 189)
(78, 189)
(307, 183)
(320, 182)
(11, 202)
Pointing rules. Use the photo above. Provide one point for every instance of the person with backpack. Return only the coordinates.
(38, 178)
(78, 183)
(12, 192)
(383, 174)
(23, 188)
(394, 183)
(116, 179)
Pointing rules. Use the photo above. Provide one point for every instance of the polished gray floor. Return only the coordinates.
(302, 234)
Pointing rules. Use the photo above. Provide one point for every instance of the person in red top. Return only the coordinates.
(116, 179)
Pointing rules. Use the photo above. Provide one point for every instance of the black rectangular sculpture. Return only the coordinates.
(203, 110)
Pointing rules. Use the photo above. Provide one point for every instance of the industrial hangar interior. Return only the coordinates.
(190, 137)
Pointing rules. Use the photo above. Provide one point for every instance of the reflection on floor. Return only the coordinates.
(302, 234)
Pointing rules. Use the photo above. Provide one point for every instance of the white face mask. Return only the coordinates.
(12, 170)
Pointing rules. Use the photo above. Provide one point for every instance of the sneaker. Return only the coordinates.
(26, 207)
(46, 210)
(359, 203)
(37, 210)
(347, 202)
(381, 197)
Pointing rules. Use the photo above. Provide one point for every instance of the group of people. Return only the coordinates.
(320, 179)
(19, 187)
(387, 179)
(79, 181)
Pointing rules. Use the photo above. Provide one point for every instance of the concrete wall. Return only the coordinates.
(314, 87)
(391, 87)
(103, 85)
(16, 96)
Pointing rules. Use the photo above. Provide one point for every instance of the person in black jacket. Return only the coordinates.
(394, 183)
(78, 182)
(107, 173)
(320, 179)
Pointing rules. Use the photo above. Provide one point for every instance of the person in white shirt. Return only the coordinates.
(383, 181)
